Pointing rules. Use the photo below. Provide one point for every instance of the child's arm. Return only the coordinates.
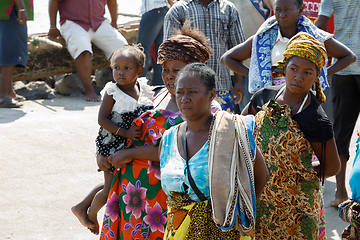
(103, 163)
(104, 121)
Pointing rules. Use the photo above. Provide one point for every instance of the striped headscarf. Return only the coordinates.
(305, 46)
(184, 48)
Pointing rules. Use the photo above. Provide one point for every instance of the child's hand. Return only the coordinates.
(119, 158)
(133, 133)
(103, 162)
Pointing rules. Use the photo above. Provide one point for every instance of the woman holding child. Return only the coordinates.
(136, 206)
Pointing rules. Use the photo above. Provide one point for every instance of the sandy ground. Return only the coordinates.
(47, 155)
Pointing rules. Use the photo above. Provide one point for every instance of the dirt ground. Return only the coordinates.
(47, 156)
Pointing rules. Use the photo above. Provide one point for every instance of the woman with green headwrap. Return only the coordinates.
(291, 126)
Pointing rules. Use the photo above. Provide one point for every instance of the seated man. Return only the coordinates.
(83, 22)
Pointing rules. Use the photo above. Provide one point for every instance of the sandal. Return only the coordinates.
(20, 98)
(9, 103)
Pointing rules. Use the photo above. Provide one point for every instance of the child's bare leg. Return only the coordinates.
(99, 201)
(80, 209)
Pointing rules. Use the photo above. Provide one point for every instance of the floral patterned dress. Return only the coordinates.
(136, 206)
(289, 206)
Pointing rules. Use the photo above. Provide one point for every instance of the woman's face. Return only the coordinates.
(287, 13)
(170, 70)
(300, 75)
(192, 97)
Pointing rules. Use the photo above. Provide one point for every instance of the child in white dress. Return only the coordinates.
(122, 102)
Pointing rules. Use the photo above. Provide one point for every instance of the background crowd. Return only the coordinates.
(215, 33)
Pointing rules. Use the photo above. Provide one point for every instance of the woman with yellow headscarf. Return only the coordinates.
(291, 126)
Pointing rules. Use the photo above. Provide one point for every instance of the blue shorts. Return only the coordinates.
(13, 42)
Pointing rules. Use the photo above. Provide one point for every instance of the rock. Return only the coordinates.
(68, 83)
(34, 90)
(102, 76)
(50, 81)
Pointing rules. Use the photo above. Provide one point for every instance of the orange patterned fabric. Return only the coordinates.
(289, 206)
(136, 206)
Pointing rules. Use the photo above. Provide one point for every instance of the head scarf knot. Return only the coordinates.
(305, 46)
(183, 48)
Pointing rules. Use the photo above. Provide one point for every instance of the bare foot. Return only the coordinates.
(93, 218)
(92, 97)
(337, 201)
(340, 196)
(81, 214)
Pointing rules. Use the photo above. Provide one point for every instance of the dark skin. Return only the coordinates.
(341, 194)
(287, 13)
(205, 2)
(170, 70)
(148, 152)
(300, 75)
(191, 97)
(194, 102)
(125, 72)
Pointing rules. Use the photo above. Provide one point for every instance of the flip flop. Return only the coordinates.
(9, 103)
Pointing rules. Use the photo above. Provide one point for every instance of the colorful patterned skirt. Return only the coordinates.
(192, 220)
(136, 205)
(349, 211)
(136, 208)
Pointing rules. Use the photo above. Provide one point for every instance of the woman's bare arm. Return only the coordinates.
(233, 58)
(344, 55)
(261, 174)
(121, 157)
(332, 160)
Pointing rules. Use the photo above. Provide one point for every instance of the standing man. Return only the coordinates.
(151, 31)
(219, 21)
(83, 22)
(13, 46)
(345, 84)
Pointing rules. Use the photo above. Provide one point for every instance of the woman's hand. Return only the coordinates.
(120, 158)
(103, 162)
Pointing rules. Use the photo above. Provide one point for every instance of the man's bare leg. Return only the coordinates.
(83, 67)
(341, 193)
(6, 89)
